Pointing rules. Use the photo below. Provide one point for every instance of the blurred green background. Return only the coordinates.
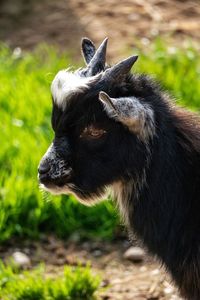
(26, 132)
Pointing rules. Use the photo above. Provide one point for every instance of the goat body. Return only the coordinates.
(114, 129)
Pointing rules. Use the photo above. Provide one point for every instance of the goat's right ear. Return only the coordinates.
(88, 49)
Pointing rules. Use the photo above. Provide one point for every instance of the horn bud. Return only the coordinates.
(97, 63)
(120, 70)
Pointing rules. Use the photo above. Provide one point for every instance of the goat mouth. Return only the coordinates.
(55, 188)
(50, 182)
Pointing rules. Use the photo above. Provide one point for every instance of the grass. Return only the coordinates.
(26, 133)
(178, 71)
(73, 284)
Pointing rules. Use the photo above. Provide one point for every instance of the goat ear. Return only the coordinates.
(136, 116)
(88, 49)
(106, 100)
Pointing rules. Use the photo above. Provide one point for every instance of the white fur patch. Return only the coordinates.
(125, 192)
(70, 189)
(66, 84)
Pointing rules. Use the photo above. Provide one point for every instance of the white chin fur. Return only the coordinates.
(54, 190)
(67, 191)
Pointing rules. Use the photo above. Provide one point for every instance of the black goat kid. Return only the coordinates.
(119, 130)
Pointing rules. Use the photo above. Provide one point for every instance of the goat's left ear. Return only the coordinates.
(136, 116)
(88, 49)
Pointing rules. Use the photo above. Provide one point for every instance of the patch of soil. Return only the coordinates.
(25, 23)
(121, 279)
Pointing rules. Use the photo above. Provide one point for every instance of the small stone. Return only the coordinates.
(134, 254)
(75, 237)
(105, 283)
(97, 253)
(86, 246)
(21, 259)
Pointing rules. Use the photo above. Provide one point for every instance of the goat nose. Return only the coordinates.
(44, 167)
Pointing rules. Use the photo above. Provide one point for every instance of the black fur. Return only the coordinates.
(163, 208)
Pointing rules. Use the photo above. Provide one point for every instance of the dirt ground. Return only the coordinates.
(25, 23)
(121, 279)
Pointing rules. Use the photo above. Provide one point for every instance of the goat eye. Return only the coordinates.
(92, 132)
